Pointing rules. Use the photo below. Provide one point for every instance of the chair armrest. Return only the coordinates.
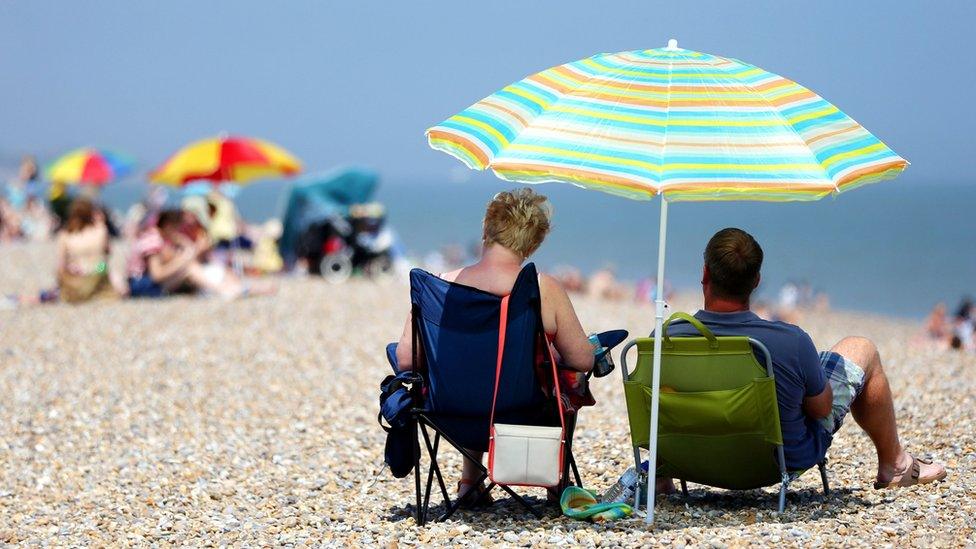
(623, 358)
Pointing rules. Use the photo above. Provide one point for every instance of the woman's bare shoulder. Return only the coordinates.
(451, 276)
(550, 286)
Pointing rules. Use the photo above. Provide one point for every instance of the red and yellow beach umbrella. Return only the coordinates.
(89, 166)
(226, 159)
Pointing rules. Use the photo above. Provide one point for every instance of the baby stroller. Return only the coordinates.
(330, 227)
(359, 243)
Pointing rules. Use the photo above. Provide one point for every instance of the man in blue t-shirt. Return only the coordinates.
(814, 390)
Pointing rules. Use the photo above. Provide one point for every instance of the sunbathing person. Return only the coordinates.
(164, 260)
(514, 227)
(814, 390)
(82, 248)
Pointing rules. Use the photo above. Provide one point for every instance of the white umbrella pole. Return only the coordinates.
(656, 372)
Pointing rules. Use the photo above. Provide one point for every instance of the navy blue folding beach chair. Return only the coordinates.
(455, 346)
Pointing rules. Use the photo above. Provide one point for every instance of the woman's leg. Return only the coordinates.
(470, 470)
(225, 284)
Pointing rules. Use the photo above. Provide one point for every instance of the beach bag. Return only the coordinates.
(525, 455)
(402, 445)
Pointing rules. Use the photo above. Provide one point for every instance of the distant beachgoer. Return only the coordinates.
(30, 174)
(815, 391)
(24, 185)
(603, 285)
(9, 222)
(59, 200)
(936, 324)
(434, 262)
(267, 260)
(83, 249)
(646, 290)
(964, 327)
(36, 223)
(570, 278)
(196, 224)
(762, 310)
(965, 309)
(165, 260)
(789, 296)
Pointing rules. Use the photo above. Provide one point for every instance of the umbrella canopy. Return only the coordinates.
(89, 166)
(220, 159)
(690, 125)
(684, 124)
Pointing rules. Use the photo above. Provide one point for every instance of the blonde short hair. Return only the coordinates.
(518, 220)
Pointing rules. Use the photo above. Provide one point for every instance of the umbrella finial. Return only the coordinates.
(672, 45)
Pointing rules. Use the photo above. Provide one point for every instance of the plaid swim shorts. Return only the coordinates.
(846, 381)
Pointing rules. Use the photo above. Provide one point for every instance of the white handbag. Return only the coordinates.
(524, 455)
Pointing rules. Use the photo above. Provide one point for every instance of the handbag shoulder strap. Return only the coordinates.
(502, 328)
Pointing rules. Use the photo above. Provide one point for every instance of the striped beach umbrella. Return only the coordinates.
(669, 121)
(226, 159)
(89, 166)
(689, 125)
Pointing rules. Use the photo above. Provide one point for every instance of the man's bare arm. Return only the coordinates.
(818, 406)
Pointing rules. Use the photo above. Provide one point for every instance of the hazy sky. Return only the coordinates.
(358, 82)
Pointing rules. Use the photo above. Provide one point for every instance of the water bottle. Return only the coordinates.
(623, 490)
(602, 365)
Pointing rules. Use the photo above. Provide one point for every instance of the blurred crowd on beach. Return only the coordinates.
(953, 331)
(790, 302)
(190, 241)
(196, 242)
(201, 245)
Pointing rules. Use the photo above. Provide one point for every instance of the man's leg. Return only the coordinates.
(874, 410)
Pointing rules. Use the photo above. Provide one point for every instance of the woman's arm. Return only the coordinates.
(404, 351)
(62, 254)
(161, 270)
(570, 341)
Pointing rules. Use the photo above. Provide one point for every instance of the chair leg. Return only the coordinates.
(579, 481)
(637, 467)
(570, 457)
(782, 493)
(823, 476)
(684, 488)
(416, 473)
(519, 499)
(434, 469)
(452, 506)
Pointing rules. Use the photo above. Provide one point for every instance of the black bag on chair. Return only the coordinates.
(396, 400)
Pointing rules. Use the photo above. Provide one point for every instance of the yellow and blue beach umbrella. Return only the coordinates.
(680, 123)
(89, 166)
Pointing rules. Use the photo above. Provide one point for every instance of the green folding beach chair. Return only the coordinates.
(718, 418)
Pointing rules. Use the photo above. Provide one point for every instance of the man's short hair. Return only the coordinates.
(733, 258)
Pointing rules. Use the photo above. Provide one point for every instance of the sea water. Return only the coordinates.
(897, 247)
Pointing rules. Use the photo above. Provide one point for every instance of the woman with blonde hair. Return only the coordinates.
(83, 252)
(515, 225)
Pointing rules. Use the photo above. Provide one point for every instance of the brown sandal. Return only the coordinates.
(911, 475)
(476, 496)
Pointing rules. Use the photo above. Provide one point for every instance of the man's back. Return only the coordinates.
(796, 363)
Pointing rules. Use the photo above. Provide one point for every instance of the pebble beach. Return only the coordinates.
(198, 422)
